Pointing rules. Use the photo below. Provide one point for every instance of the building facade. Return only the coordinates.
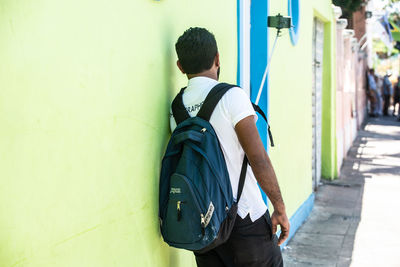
(85, 94)
(84, 114)
(302, 106)
(351, 60)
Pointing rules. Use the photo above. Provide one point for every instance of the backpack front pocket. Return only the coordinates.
(185, 221)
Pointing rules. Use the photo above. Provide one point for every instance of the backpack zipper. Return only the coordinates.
(203, 224)
(178, 209)
(202, 218)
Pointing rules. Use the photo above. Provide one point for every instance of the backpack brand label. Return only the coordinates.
(175, 190)
(209, 214)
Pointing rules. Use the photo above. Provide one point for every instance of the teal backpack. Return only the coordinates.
(196, 206)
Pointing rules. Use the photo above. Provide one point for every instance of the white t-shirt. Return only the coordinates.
(234, 106)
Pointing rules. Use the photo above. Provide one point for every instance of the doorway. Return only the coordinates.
(318, 53)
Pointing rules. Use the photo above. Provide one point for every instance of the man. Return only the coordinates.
(371, 94)
(377, 103)
(387, 94)
(253, 241)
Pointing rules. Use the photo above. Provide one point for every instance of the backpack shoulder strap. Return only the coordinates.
(242, 178)
(261, 112)
(178, 108)
(205, 113)
(212, 99)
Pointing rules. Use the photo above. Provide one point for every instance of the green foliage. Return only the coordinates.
(382, 51)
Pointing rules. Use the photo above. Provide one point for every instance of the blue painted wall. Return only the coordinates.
(259, 58)
(258, 62)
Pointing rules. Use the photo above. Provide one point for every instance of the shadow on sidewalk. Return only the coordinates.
(327, 238)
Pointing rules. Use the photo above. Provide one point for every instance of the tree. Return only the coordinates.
(350, 6)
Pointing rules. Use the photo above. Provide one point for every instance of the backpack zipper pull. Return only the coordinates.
(178, 209)
(203, 224)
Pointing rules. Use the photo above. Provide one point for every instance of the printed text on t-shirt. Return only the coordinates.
(194, 107)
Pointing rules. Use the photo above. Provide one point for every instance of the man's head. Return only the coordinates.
(197, 52)
(372, 71)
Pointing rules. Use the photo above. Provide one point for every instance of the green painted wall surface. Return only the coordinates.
(329, 166)
(85, 88)
(290, 103)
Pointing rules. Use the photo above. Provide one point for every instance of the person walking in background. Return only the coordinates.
(379, 90)
(387, 93)
(371, 96)
(375, 95)
(396, 97)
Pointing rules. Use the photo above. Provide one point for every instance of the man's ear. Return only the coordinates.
(180, 66)
(216, 60)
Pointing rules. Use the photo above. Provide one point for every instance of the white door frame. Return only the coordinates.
(244, 44)
(318, 53)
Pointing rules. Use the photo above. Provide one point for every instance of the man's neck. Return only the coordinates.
(209, 74)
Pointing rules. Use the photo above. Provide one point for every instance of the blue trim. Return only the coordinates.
(299, 217)
(258, 61)
(259, 58)
(294, 12)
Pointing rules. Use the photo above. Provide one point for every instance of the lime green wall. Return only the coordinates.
(84, 93)
(328, 159)
(290, 106)
(329, 166)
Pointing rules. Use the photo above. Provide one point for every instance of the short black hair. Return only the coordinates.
(196, 49)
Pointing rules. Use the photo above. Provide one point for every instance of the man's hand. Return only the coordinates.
(281, 219)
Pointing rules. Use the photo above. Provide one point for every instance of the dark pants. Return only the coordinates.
(386, 104)
(396, 101)
(251, 244)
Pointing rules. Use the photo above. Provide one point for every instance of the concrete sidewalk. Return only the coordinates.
(355, 221)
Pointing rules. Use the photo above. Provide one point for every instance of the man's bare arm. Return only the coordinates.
(250, 140)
